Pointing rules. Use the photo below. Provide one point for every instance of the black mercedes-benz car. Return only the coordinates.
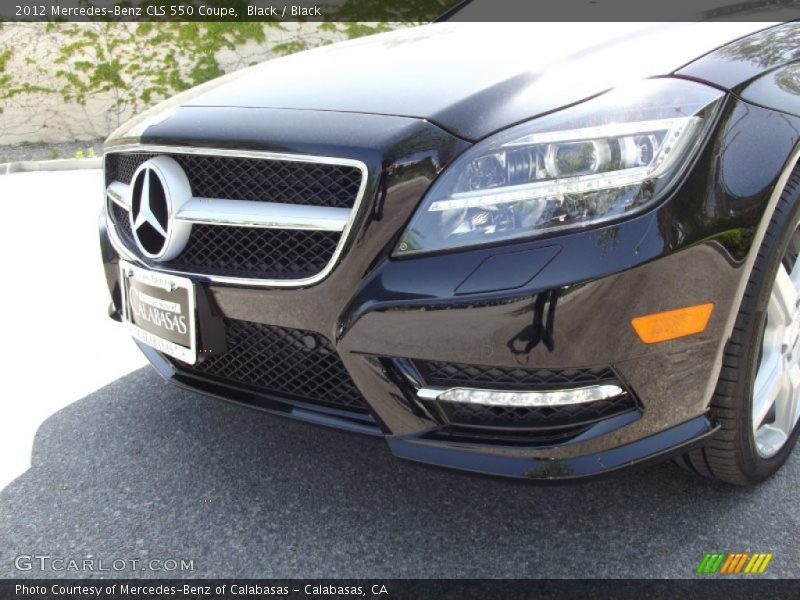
(544, 251)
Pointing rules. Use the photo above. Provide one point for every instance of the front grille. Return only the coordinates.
(294, 363)
(257, 179)
(507, 378)
(240, 250)
(480, 416)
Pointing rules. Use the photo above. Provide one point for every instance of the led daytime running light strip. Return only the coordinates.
(566, 397)
(599, 131)
(543, 189)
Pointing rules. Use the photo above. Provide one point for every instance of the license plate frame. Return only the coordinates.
(158, 294)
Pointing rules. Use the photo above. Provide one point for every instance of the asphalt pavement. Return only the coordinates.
(124, 466)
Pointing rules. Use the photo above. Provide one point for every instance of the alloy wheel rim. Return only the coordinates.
(776, 390)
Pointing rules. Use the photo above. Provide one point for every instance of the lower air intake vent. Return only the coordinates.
(301, 365)
(519, 418)
(508, 378)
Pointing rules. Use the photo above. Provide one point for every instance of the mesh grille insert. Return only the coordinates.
(289, 362)
(271, 253)
(121, 219)
(239, 178)
(454, 374)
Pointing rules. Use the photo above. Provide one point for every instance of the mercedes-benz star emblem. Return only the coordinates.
(159, 188)
(149, 199)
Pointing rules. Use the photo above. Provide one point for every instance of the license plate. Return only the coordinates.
(159, 311)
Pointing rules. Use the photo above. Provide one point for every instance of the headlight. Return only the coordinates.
(600, 160)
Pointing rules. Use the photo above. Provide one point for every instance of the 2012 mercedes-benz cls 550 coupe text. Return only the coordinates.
(542, 251)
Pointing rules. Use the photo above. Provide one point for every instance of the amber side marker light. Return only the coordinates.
(672, 324)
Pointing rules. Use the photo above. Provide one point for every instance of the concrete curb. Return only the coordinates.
(64, 164)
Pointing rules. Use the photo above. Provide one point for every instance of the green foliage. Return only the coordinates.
(5, 80)
(140, 63)
(134, 65)
(290, 47)
(88, 153)
(355, 30)
(8, 87)
(4, 56)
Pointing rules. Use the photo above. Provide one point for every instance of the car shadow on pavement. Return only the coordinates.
(141, 469)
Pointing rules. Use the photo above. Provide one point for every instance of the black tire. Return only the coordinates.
(731, 454)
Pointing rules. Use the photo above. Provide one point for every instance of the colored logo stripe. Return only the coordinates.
(758, 564)
(722, 563)
(711, 563)
(734, 563)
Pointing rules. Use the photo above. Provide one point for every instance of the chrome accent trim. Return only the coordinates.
(116, 242)
(270, 215)
(247, 213)
(430, 393)
(263, 154)
(522, 398)
(120, 194)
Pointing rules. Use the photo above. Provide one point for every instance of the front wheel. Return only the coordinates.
(757, 396)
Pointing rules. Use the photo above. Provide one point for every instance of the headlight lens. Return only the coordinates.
(608, 157)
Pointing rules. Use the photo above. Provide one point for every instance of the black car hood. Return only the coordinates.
(471, 78)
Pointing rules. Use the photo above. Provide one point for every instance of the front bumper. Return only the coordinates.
(476, 458)
(568, 306)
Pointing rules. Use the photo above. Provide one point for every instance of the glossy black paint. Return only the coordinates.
(468, 78)
(735, 65)
(558, 302)
(507, 271)
(779, 89)
(660, 446)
